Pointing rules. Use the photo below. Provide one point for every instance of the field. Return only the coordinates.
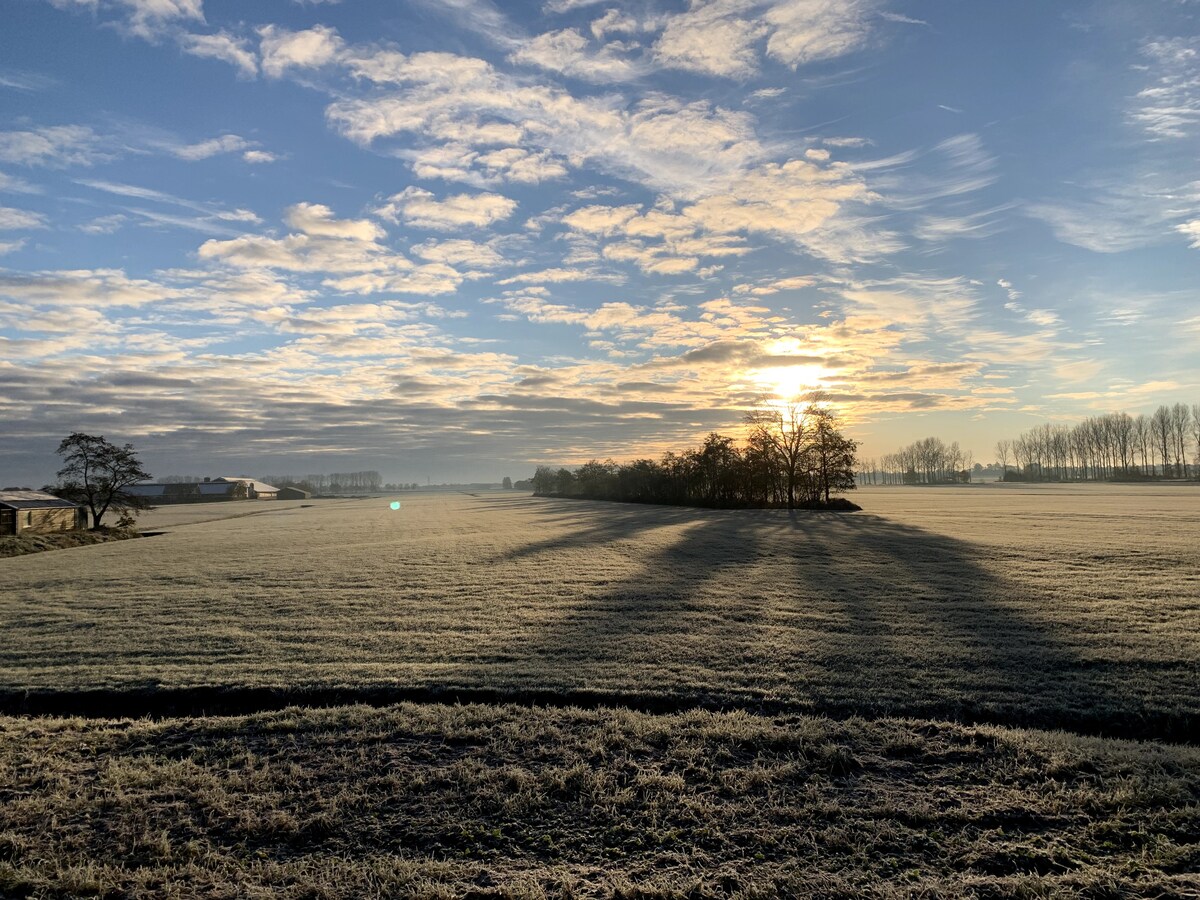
(673, 701)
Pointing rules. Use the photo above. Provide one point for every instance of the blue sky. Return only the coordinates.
(456, 239)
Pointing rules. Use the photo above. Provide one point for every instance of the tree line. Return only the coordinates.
(793, 456)
(1113, 446)
(927, 461)
(336, 483)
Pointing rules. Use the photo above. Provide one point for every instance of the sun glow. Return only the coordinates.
(788, 382)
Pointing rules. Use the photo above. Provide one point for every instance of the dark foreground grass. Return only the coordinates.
(495, 801)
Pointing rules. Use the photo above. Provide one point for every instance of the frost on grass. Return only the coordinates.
(507, 801)
(1071, 607)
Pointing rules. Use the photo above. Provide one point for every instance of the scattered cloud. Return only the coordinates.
(283, 50)
(20, 219)
(419, 208)
(223, 46)
(52, 145)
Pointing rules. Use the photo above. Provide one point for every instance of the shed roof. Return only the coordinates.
(33, 500)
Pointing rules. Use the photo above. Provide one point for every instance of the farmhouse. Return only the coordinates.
(36, 512)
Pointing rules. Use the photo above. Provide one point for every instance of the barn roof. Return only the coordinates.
(33, 500)
(259, 487)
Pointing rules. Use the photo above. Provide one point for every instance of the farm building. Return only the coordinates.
(293, 493)
(36, 512)
(189, 492)
(255, 490)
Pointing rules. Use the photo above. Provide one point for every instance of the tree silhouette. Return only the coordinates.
(96, 472)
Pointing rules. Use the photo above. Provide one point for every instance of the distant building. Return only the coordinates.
(36, 512)
(255, 490)
(293, 493)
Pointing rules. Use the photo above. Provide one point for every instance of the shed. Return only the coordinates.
(293, 493)
(36, 512)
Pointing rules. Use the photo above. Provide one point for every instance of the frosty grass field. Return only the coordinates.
(724, 702)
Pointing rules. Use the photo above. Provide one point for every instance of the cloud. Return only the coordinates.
(418, 208)
(806, 31)
(568, 52)
(54, 145)
(559, 275)
(226, 143)
(223, 46)
(93, 288)
(721, 37)
(104, 224)
(20, 219)
(710, 38)
(1169, 109)
(283, 50)
(13, 185)
(458, 252)
(212, 219)
(318, 221)
(257, 157)
(1191, 230)
(11, 246)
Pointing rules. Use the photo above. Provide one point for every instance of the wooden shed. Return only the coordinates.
(36, 512)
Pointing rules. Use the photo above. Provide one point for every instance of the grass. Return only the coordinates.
(1062, 608)
(429, 800)
(806, 683)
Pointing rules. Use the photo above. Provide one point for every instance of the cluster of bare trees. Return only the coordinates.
(927, 461)
(1113, 446)
(335, 483)
(792, 457)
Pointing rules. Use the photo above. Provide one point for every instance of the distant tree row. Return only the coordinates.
(1114, 446)
(792, 457)
(927, 461)
(336, 483)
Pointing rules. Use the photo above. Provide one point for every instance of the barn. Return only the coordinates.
(36, 512)
(293, 493)
(255, 490)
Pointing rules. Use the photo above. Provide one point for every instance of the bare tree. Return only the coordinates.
(783, 431)
(96, 472)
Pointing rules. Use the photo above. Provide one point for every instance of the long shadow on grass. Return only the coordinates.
(840, 615)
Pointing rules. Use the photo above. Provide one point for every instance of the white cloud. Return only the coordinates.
(223, 46)
(255, 157)
(318, 221)
(283, 50)
(226, 143)
(570, 53)
(11, 246)
(82, 287)
(458, 252)
(419, 208)
(1191, 230)
(712, 38)
(55, 145)
(147, 17)
(104, 224)
(807, 31)
(13, 185)
(1170, 108)
(20, 219)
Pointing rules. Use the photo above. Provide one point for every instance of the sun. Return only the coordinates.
(786, 382)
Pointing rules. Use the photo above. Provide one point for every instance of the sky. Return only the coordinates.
(453, 239)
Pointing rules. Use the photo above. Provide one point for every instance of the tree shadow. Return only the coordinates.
(823, 612)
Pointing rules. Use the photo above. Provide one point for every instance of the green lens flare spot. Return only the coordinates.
(395, 504)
